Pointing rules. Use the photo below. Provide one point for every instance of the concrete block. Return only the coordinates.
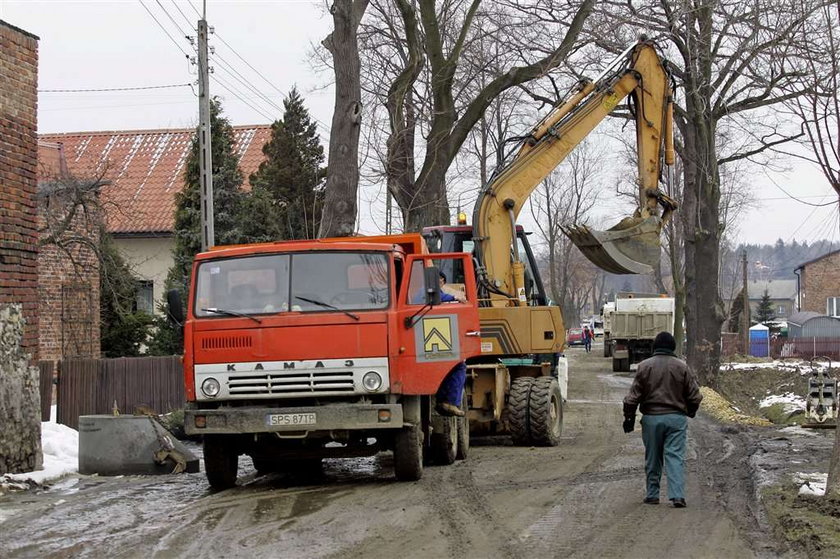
(112, 445)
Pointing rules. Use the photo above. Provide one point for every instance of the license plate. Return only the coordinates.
(278, 419)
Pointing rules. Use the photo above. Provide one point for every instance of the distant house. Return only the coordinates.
(144, 170)
(819, 284)
(782, 296)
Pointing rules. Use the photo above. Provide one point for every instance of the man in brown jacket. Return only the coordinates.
(667, 392)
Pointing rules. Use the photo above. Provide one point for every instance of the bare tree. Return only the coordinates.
(566, 197)
(339, 214)
(734, 61)
(433, 41)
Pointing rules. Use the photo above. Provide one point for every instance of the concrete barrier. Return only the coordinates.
(112, 445)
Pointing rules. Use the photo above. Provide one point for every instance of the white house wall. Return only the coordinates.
(150, 259)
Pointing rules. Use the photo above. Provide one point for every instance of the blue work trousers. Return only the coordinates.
(664, 437)
(452, 388)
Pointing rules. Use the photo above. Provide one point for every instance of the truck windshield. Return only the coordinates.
(313, 282)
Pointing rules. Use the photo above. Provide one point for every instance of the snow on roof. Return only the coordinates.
(145, 169)
(776, 289)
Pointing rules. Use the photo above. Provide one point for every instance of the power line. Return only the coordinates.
(114, 88)
(195, 9)
(236, 93)
(172, 19)
(164, 29)
(226, 67)
(174, 3)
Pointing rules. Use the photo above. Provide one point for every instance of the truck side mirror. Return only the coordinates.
(431, 276)
(174, 306)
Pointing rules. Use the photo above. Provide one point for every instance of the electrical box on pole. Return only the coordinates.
(205, 150)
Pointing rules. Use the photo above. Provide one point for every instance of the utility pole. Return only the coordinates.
(205, 150)
(745, 312)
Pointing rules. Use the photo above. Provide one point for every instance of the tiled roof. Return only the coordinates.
(826, 255)
(144, 168)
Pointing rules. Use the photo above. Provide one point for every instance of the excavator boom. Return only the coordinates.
(632, 246)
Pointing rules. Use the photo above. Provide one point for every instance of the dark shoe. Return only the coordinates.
(449, 410)
(651, 500)
(678, 503)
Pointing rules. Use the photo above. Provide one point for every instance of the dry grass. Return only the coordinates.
(721, 409)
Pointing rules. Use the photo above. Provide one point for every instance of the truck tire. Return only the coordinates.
(621, 365)
(463, 432)
(518, 410)
(221, 461)
(444, 440)
(545, 412)
(607, 347)
(408, 454)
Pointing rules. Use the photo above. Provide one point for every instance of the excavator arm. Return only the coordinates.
(633, 245)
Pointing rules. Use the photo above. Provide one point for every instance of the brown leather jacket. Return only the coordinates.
(663, 384)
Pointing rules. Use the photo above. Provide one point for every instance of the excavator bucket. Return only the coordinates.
(631, 247)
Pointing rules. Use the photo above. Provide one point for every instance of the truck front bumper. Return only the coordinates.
(334, 417)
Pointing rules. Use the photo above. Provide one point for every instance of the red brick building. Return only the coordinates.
(68, 262)
(18, 183)
(819, 284)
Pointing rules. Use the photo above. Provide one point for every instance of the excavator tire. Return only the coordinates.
(221, 462)
(444, 440)
(408, 453)
(518, 410)
(545, 412)
(463, 431)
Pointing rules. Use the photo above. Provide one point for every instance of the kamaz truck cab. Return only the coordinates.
(303, 350)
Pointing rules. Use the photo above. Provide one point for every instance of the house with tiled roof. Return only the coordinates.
(819, 284)
(143, 170)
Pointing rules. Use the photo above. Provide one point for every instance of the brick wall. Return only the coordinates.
(820, 280)
(68, 288)
(18, 165)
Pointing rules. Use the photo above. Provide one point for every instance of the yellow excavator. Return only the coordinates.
(521, 333)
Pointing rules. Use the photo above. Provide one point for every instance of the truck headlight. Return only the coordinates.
(372, 381)
(210, 387)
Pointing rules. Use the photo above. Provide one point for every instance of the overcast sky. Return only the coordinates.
(89, 45)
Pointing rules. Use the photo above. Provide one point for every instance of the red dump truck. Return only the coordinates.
(299, 351)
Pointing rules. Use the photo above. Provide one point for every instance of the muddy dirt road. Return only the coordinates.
(581, 499)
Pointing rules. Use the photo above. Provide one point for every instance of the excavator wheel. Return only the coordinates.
(518, 410)
(545, 412)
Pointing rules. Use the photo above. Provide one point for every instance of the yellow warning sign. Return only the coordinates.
(437, 334)
(610, 101)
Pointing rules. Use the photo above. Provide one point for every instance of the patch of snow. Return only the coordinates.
(812, 484)
(799, 366)
(792, 402)
(60, 445)
(797, 430)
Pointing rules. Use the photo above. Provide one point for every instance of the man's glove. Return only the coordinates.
(629, 424)
(691, 410)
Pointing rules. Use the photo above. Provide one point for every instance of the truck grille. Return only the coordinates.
(292, 383)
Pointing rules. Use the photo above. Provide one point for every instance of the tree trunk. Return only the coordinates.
(339, 215)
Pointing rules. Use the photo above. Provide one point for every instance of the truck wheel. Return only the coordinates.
(463, 431)
(617, 365)
(625, 364)
(221, 461)
(545, 412)
(408, 454)
(607, 348)
(517, 405)
(444, 440)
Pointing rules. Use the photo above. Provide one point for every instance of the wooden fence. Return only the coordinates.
(95, 386)
(47, 374)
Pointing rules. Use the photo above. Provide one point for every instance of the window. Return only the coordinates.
(302, 282)
(144, 299)
(832, 306)
(450, 292)
(781, 310)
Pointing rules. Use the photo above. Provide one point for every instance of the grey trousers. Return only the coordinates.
(664, 437)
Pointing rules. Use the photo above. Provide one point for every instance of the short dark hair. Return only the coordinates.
(443, 276)
(664, 340)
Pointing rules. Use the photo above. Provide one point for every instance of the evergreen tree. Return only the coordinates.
(735, 313)
(123, 328)
(765, 312)
(227, 211)
(287, 190)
